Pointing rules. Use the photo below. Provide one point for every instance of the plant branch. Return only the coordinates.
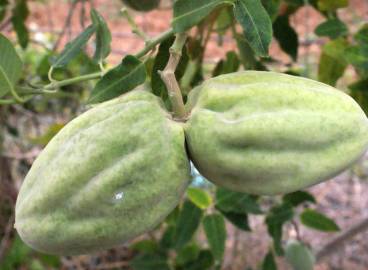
(135, 28)
(168, 76)
(339, 241)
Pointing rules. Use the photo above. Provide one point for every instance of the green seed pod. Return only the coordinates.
(142, 5)
(109, 175)
(270, 133)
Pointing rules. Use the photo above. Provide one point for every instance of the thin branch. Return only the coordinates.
(5, 240)
(340, 240)
(66, 25)
(168, 76)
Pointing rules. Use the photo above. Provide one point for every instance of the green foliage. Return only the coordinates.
(119, 80)
(103, 37)
(188, 13)
(318, 221)
(256, 24)
(10, 66)
(332, 28)
(214, 228)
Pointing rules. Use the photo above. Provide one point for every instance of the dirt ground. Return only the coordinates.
(344, 198)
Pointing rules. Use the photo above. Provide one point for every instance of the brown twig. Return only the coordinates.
(7, 234)
(168, 76)
(66, 24)
(340, 240)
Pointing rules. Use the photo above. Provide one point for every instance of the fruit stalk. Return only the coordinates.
(168, 76)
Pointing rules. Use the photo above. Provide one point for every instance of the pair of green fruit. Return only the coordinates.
(119, 169)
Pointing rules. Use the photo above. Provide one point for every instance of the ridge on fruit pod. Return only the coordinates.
(271, 133)
(111, 174)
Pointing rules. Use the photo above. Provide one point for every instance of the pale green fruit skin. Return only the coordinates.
(109, 175)
(269, 133)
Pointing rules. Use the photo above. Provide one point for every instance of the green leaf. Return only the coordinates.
(360, 85)
(188, 13)
(332, 62)
(275, 219)
(168, 238)
(149, 262)
(215, 230)
(204, 261)
(224, 20)
(231, 201)
(238, 220)
(145, 246)
(272, 7)
(332, 28)
(3, 7)
(18, 19)
(362, 35)
(188, 222)
(48, 135)
(199, 197)
(332, 5)
(256, 24)
(229, 65)
(119, 80)
(10, 66)
(246, 54)
(358, 57)
(103, 37)
(286, 36)
(298, 197)
(299, 256)
(269, 262)
(18, 254)
(187, 254)
(73, 48)
(316, 220)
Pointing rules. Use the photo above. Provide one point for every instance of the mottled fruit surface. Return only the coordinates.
(271, 133)
(111, 174)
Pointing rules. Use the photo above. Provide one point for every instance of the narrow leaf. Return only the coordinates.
(298, 197)
(286, 36)
(188, 222)
(18, 19)
(121, 79)
(199, 197)
(10, 66)
(187, 254)
(332, 63)
(256, 24)
(214, 228)
(230, 201)
(188, 13)
(333, 29)
(275, 219)
(103, 37)
(74, 47)
(332, 5)
(318, 221)
(269, 262)
(238, 220)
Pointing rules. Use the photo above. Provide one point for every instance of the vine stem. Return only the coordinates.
(150, 44)
(168, 76)
(339, 241)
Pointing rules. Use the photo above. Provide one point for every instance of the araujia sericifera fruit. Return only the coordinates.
(271, 133)
(117, 170)
(109, 175)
